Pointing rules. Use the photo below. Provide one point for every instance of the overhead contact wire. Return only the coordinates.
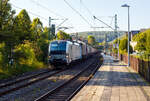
(77, 13)
(29, 12)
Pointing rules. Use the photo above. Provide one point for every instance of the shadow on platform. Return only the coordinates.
(112, 78)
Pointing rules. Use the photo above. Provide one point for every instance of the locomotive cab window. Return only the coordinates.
(58, 48)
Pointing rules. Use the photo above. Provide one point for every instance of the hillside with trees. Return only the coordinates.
(101, 35)
(23, 42)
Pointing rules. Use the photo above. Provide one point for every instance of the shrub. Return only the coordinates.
(1, 60)
(25, 55)
(3, 55)
(123, 46)
(115, 50)
(43, 44)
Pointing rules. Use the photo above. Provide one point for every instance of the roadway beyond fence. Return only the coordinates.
(114, 82)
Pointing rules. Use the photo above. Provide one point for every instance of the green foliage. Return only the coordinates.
(4, 50)
(45, 33)
(24, 53)
(115, 50)
(22, 26)
(143, 44)
(91, 40)
(140, 47)
(115, 43)
(1, 54)
(43, 44)
(123, 46)
(36, 28)
(63, 36)
(100, 35)
(6, 21)
(148, 41)
(1, 59)
(141, 41)
(7, 15)
(24, 60)
(23, 41)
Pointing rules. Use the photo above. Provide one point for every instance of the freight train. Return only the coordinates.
(66, 52)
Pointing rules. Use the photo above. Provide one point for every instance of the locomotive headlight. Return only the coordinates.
(67, 56)
(49, 57)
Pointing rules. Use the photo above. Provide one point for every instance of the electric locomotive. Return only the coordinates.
(64, 52)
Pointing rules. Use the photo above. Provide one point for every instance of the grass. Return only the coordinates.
(10, 71)
(4, 74)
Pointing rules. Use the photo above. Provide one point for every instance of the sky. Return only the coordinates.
(104, 10)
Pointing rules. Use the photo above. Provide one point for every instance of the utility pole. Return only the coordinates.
(76, 37)
(49, 28)
(105, 42)
(49, 32)
(117, 34)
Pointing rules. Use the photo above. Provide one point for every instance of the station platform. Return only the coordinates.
(114, 81)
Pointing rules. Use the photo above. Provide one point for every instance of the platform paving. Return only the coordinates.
(114, 82)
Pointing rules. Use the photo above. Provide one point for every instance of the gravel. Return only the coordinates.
(35, 90)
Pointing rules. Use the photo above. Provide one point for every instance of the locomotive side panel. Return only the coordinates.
(76, 52)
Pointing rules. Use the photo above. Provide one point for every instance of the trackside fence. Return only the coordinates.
(139, 65)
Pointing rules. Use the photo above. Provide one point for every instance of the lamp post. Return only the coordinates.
(125, 5)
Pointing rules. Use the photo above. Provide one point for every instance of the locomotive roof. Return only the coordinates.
(62, 41)
(70, 42)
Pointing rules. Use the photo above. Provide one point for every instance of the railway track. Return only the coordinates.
(26, 81)
(68, 89)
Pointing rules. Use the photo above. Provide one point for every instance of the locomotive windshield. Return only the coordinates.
(58, 48)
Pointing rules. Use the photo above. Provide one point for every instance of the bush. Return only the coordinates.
(123, 46)
(115, 50)
(24, 53)
(25, 56)
(24, 60)
(3, 55)
(43, 44)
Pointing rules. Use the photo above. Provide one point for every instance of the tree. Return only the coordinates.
(43, 44)
(6, 20)
(141, 41)
(3, 55)
(115, 46)
(148, 41)
(22, 26)
(63, 36)
(91, 40)
(123, 46)
(45, 33)
(7, 15)
(25, 57)
(36, 28)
